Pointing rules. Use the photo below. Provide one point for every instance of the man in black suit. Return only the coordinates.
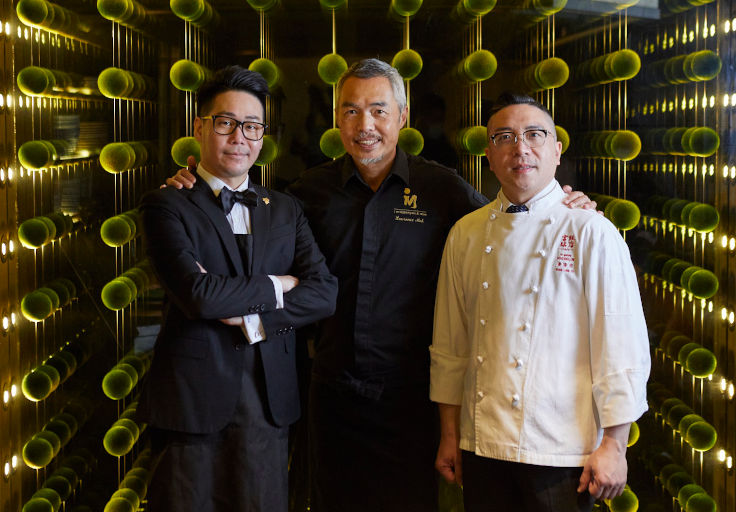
(241, 271)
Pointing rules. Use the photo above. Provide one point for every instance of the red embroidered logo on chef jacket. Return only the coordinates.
(565, 256)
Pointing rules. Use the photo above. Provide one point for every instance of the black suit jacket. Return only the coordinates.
(195, 377)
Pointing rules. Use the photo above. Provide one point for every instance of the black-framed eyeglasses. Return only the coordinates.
(224, 125)
(532, 138)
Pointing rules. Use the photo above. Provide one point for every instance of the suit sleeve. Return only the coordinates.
(314, 298)
(174, 253)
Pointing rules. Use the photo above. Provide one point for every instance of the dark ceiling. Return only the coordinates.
(303, 28)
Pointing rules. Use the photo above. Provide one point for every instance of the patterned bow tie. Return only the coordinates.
(228, 198)
(514, 208)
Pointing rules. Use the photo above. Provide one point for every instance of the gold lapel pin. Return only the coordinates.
(265, 200)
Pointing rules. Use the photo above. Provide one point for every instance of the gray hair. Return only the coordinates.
(372, 68)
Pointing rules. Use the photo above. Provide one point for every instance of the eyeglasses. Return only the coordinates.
(532, 138)
(224, 125)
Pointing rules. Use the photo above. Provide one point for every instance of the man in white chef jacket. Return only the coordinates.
(540, 353)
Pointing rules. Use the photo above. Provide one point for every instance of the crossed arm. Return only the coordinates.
(287, 284)
(212, 293)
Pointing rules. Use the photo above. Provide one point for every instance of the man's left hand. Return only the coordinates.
(577, 199)
(604, 474)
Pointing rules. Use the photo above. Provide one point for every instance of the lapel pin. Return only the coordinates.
(265, 200)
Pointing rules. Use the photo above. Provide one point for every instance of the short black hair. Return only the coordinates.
(506, 99)
(232, 78)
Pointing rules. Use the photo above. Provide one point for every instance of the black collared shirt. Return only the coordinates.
(385, 249)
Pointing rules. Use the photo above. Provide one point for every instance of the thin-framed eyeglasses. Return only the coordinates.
(532, 138)
(224, 125)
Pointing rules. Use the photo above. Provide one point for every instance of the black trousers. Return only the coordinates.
(242, 468)
(371, 455)
(491, 485)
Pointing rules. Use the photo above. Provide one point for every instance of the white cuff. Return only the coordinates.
(621, 397)
(253, 329)
(279, 290)
(446, 377)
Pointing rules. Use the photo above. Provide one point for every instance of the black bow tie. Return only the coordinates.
(517, 208)
(228, 198)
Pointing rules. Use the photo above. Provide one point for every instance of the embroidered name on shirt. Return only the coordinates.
(565, 255)
(406, 215)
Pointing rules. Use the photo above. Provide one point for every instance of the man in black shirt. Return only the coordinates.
(380, 217)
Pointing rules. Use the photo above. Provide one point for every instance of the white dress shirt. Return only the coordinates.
(539, 331)
(239, 220)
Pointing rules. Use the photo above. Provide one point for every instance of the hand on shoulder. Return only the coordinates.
(577, 199)
(184, 178)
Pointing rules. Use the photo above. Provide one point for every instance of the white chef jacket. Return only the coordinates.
(539, 332)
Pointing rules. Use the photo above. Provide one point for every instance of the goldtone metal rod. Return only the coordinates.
(407, 83)
(579, 35)
(265, 51)
(129, 104)
(187, 95)
(334, 33)
(334, 86)
(408, 103)
(261, 22)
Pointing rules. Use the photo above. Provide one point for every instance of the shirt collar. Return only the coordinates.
(539, 201)
(399, 168)
(216, 184)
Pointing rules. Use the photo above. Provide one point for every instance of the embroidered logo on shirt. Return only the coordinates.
(410, 200)
(410, 213)
(565, 255)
